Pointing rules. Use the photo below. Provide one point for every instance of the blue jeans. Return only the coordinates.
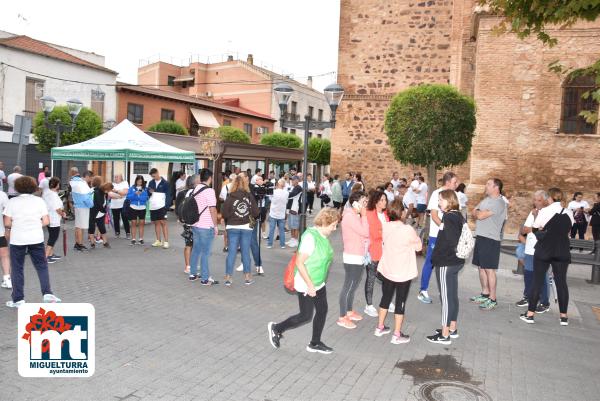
(254, 246)
(528, 278)
(279, 223)
(427, 267)
(241, 238)
(203, 239)
(37, 253)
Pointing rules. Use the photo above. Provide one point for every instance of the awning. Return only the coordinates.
(205, 118)
(184, 78)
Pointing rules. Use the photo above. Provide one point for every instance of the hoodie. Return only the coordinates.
(238, 208)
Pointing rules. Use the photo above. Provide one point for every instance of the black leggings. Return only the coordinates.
(98, 222)
(579, 228)
(307, 305)
(388, 287)
(351, 281)
(559, 270)
(119, 214)
(310, 199)
(53, 233)
(370, 281)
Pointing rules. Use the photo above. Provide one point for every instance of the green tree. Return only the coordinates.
(281, 140)
(231, 134)
(527, 17)
(319, 151)
(87, 126)
(169, 127)
(431, 126)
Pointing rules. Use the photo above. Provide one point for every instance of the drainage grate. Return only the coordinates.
(451, 391)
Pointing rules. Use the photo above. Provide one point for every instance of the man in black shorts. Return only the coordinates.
(160, 200)
(490, 215)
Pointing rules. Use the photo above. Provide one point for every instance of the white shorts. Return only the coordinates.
(82, 218)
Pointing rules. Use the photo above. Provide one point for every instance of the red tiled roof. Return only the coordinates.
(190, 99)
(34, 46)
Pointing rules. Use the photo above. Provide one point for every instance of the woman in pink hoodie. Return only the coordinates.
(398, 266)
(355, 236)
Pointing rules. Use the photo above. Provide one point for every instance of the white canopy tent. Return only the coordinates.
(124, 142)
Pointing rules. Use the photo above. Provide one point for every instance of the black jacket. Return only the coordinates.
(238, 207)
(595, 213)
(295, 192)
(444, 252)
(99, 202)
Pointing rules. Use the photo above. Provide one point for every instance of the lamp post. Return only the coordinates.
(74, 106)
(333, 95)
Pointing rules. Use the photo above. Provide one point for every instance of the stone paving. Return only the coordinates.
(162, 337)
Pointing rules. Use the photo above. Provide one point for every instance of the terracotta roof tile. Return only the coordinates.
(34, 46)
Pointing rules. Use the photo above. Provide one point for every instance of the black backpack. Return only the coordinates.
(188, 212)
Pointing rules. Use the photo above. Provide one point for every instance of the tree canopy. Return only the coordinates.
(431, 126)
(319, 151)
(87, 126)
(281, 140)
(169, 127)
(231, 134)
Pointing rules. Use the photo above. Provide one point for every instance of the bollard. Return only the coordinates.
(596, 266)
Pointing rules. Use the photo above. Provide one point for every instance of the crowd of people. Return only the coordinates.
(381, 234)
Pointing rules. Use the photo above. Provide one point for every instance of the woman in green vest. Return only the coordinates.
(312, 265)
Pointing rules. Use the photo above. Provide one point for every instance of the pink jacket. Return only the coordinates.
(355, 232)
(399, 261)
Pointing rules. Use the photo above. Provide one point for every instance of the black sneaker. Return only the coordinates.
(274, 337)
(141, 242)
(438, 338)
(319, 347)
(56, 257)
(527, 319)
(453, 334)
(210, 281)
(541, 308)
(523, 302)
(225, 249)
(132, 242)
(564, 321)
(49, 260)
(193, 277)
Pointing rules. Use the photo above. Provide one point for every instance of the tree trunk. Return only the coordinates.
(432, 177)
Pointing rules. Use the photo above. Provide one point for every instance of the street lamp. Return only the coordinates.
(73, 105)
(333, 95)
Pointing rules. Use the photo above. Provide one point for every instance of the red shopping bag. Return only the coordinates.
(288, 274)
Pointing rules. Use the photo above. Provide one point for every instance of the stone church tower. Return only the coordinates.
(528, 133)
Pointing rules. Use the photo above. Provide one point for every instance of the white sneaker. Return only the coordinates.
(165, 245)
(392, 307)
(269, 246)
(260, 270)
(293, 243)
(265, 235)
(12, 304)
(240, 268)
(6, 283)
(51, 298)
(371, 311)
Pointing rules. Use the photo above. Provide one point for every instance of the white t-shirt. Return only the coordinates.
(574, 205)
(531, 240)
(2, 177)
(326, 188)
(279, 203)
(409, 197)
(433, 205)
(3, 203)
(381, 217)
(462, 199)
(117, 203)
(179, 186)
(225, 191)
(26, 212)
(422, 195)
(548, 212)
(253, 179)
(307, 247)
(395, 183)
(44, 185)
(391, 195)
(310, 186)
(53, 203)
(11, 183)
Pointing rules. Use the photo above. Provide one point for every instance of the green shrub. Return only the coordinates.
(231, 134)
(319, 151)
(87, 126)
(169, 127)
(281, 140)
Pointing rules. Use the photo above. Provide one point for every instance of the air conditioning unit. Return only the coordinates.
(209, 94)
(260, 130)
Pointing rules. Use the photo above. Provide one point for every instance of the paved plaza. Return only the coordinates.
(162, 337)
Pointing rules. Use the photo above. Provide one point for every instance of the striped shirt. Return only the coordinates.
(205, 199)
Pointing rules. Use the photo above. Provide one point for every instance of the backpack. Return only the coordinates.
(188, 212)
(466, 242)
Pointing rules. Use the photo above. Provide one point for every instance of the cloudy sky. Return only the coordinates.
(299, 38)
